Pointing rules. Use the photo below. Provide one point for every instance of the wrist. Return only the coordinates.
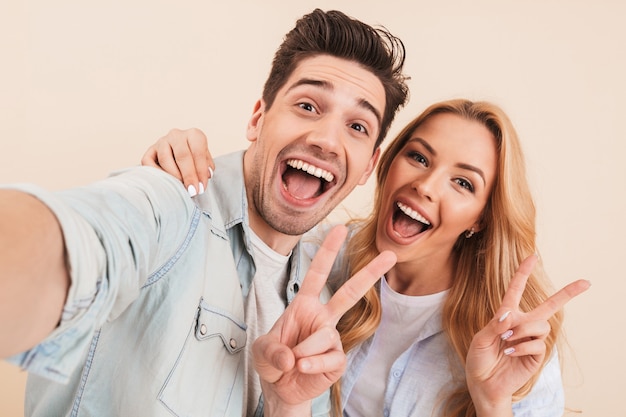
(491, 410)
(275, 406)
(279, 408)
(491, 407)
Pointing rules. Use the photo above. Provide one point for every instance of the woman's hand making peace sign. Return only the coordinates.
(505, 354)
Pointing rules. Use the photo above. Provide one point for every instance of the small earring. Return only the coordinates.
(469, 233)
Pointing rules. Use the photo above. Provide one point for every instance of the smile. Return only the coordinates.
(311, 169)
(305, 181)
(412, 213)
(407, 222)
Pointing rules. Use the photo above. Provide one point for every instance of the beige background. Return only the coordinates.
(85, 87)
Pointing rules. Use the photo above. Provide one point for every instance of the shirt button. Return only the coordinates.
(386, 413)
(396, 374)
(203, 329)
(233, 343)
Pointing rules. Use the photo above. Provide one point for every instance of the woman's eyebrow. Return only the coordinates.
(474, 169)
(424, 144)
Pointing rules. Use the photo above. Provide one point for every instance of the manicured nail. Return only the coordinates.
(504, 316)
(508, 351)
(201, 187)
(506, 334)
(192, 190)
(210, 172)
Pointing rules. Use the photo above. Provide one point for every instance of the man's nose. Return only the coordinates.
(327, 136)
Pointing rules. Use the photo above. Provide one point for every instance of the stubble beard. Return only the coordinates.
(288, 222)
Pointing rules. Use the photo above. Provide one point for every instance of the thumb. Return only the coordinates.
(271, 358)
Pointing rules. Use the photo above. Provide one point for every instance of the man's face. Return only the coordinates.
(314, 145)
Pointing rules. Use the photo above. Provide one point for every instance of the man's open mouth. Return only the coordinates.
(408, 222)
(305, 181)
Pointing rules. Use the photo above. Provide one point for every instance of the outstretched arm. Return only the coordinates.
(185, 155)
(511, 348)
(302, 355)
(33, 276)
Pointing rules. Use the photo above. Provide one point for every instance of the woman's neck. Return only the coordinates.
(420, 277)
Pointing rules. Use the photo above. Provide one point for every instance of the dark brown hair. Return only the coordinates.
(335, 34)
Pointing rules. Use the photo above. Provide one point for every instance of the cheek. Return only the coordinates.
(393, 181)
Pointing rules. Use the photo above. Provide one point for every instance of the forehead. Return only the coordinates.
(342, 75)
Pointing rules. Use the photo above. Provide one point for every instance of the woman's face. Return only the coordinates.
(436, 188)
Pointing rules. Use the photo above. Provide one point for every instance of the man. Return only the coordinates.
(125, 297)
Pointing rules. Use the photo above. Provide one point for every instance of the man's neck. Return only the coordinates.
(279, 242)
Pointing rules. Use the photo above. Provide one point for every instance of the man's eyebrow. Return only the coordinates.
(460, 165)
(363, 103)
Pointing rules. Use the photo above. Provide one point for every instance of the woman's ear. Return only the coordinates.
(256, 121)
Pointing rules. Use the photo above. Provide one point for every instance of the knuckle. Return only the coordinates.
(332, 334)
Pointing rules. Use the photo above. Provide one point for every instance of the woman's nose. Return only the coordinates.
(427, 186)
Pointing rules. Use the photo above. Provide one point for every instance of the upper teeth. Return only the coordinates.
(412, 213)
(310, 169)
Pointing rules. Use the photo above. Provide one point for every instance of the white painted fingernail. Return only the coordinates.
(504, 316)
(210, 172)
(191, 190)
(508, 351)
(201, 187)
(506, 334)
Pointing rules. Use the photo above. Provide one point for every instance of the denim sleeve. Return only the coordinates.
(116, 231)
(546, 399)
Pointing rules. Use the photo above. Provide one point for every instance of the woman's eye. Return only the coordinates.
(465, 184)
(418, 157)
(358, 127)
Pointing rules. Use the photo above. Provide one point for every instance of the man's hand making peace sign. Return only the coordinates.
(302, 356)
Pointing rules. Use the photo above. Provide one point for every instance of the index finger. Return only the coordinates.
(517, 285)
(556, 302)
(199, 149)
(356, 287)
(322, 263)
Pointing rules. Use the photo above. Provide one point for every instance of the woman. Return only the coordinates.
(442, 335)
(454, 204)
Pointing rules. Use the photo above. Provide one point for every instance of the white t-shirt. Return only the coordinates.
(403, 316)
(264, 304)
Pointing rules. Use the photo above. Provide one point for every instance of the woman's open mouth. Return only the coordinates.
(408, 222)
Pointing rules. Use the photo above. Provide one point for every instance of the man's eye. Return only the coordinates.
(358, 127)
(307, 106)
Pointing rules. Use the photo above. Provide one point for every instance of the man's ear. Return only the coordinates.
(255, 122)
(370, 166)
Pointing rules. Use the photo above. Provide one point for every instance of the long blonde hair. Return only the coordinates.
(485, 263)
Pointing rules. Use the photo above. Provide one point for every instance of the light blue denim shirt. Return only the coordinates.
(422, 374)
(153, 324)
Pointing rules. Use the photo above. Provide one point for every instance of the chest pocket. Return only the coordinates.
(207, 379)
(214, 322)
